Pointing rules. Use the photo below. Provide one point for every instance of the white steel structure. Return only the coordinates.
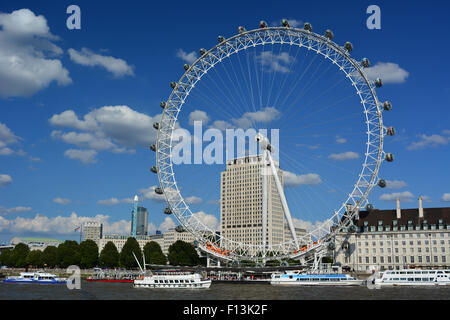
(352, 70)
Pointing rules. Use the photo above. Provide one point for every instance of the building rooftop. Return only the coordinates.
(433, 218)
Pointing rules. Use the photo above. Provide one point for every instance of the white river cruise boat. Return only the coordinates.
(309, 279)
(414, 277)
(170, 280)
(35, 277)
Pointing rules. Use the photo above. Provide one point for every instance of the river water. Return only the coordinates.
(217, 291)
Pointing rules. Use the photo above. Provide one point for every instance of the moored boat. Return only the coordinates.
(35, 277)
(173, 280)
(311, 279)
(413, 277)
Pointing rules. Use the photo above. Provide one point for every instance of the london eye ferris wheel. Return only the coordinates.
(331, 135)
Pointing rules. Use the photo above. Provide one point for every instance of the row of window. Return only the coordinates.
(412, 259)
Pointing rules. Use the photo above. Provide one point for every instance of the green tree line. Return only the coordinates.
(86, 255)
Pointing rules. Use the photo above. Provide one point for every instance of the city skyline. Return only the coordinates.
(74, 139)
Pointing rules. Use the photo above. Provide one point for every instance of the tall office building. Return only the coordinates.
(241, 203)
(92, 231)
(141, 222)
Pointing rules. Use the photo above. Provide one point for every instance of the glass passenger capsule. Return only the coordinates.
(370, 207)
(153, 147)
(220, 39)
(241, 29)
(167, 211)
(387, 106)
(154, 169)
(307, 26)
(348, 46)
(263, 24)
(186, 67)
(365, 62)
(163, 104)
(329, 34)
(173, 85)
(382, 183)
(179, 229)
(202, 51)
(285, 23)
(156, 125)
(158, 190)
(378, 83)
(390, 131)
(389, 157)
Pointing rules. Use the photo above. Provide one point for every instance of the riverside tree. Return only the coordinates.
(183, 254)
(50, 257)
(68, 254)
(109, 257)
(34, 258)
(126, 255)
(5, 258)
(153, 254)
(19, 255)
(88, 254)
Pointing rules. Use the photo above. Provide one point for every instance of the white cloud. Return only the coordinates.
(62, 201)
(5, 180)
(293, 180)
(208, 220)
(27, 55)
(120, 124)
(293, 23)
(193, 200)
(344, 156)
(167, 224)
(111, 128)
(429, 141)
(7, 137)
(275, 62)
(85, 156)
(60, 225)
(198, 115)
(388, 72)
(445, 197)
(187, 57)
(265, 115)
(221, 125)
(340, 140)
(118, 67)
(395, 184)
(19, 209)
(403, 196)
(150, 194)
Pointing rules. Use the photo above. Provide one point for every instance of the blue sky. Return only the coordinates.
(77, 107)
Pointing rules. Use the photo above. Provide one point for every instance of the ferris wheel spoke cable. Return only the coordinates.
(273, 76)
(311, 80)
(286, 76)
(297, 81)
(308, 170)
(305, 89)
(328, 106)
(237, 89)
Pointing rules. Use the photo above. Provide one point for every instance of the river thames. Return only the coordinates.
(217, 291)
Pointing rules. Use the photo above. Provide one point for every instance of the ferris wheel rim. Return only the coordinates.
(170, 188)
